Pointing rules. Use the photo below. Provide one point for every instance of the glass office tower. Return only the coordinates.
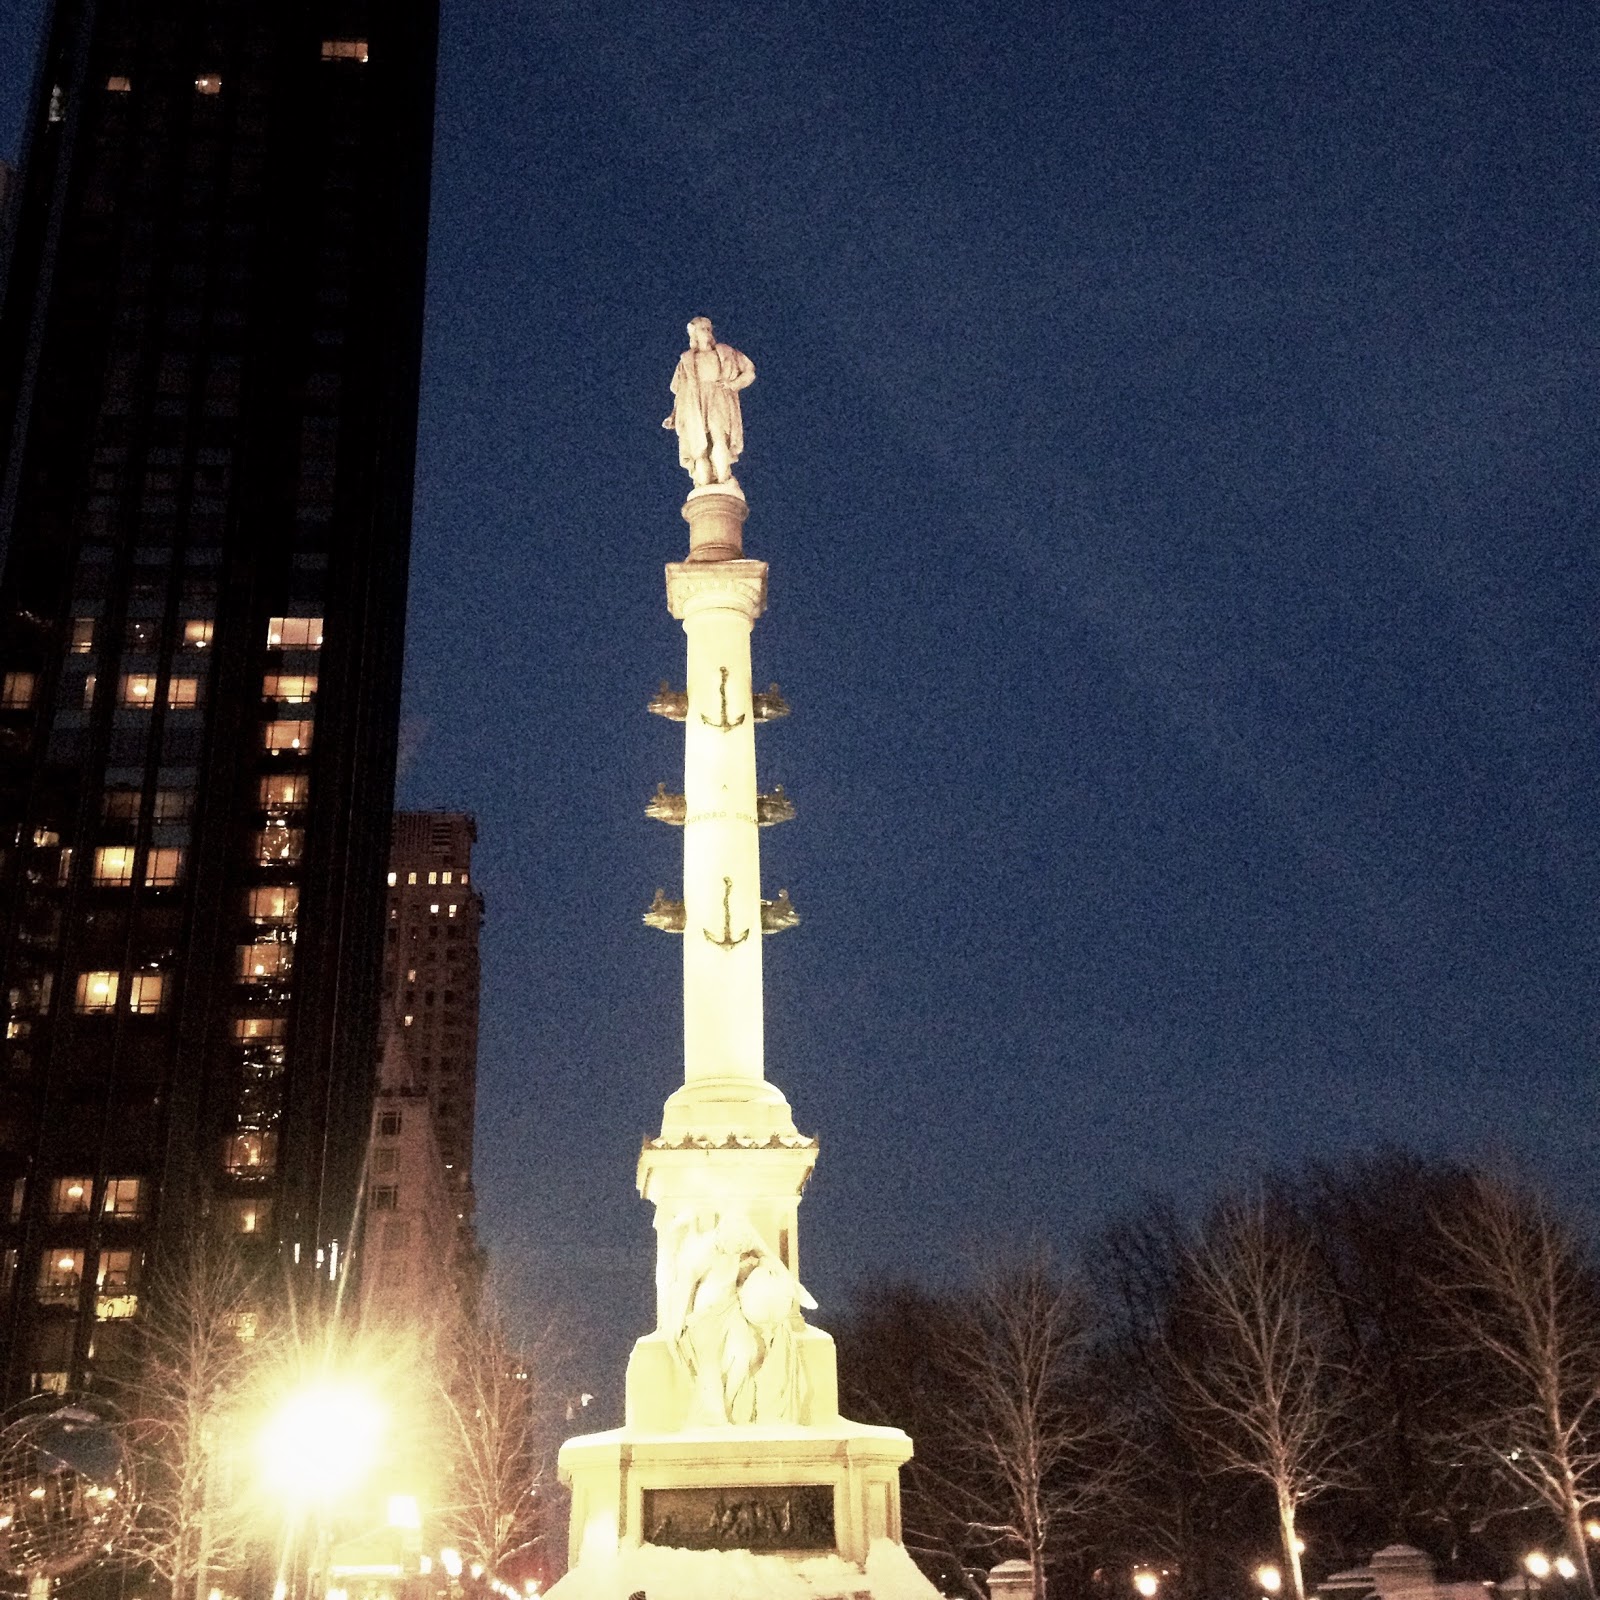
(209, 352)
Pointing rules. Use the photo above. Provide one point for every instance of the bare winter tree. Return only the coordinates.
(893, 1369)
(1040, 1456)
(1254, 1360)
(201, 1344)
(1521, 1293)
(492, 1388)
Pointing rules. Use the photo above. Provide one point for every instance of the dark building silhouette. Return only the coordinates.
(209, 353)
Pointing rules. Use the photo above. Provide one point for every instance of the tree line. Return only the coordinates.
(1392, 1349)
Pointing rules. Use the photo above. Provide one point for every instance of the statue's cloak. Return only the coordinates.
(705, 412)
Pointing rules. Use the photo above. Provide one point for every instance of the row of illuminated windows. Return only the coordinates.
(113, 866)
(97, 993)
(121, 804)
(60, 1280)
(141, 633)
(433, 877)
(74, 1197)
(210, 83)
(19, 689)
(139, 691)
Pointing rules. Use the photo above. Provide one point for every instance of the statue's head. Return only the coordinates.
(701, 336)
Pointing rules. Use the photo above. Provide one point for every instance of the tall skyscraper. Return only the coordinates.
(431, 977)
(209, 353)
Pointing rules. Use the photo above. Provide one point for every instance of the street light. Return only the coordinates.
(1566, 1567)
(321, 1441)
(1146, 1582)
(1269, 1577)
(1538, 1563)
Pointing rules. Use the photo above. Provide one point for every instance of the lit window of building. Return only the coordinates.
(285, 791)
(89, 681)
(274, 907)
(163, 867)
(391, 880)
(264, 958)
(118, 84)
(16, 690)
(173, 805)
(60, 1276)
(196, 633)
(296, 689)
(272, 1028)
(124, 1198)
(183, 694)
(81, 641)
(208, 83)
(69, 1197)
(147, 992)
(138, 689)
(120, 805)
(115, 1282)
(97, 993)
(295, 633)
(113, 863)
(344, 50)
(249, 1216)
(278, 844)
(286, 738)
(250, 1155)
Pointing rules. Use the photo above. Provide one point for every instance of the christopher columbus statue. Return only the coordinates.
(705, 411)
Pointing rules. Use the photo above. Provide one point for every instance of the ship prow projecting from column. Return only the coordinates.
(733, 1451)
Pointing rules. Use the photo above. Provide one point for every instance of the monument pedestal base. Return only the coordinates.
(807, 1511)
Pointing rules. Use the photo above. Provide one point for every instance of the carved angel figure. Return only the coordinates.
(732, 1308)
(706, 412)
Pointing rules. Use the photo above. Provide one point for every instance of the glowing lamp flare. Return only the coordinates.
(1538, 1563)
(321, 1442)
(1146, 1583)
(1269, 1578)
(1566, 1567)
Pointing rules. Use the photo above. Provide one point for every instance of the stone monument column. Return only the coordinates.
(733, 1472)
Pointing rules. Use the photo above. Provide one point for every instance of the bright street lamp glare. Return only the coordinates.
(321, 1442)
(1146, 1583)
(1269, 1578)
(1566, 1567)
(1538, 1563)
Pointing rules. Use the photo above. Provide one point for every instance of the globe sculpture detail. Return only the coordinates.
(66, 1493)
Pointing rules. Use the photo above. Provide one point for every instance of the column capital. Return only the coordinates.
(694, 586)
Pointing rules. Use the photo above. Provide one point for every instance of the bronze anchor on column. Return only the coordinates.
(724, 726)
(727, 941)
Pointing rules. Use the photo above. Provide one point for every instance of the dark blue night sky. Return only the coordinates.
(1175, 446)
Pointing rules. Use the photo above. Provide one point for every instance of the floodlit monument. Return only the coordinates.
(734, 1474)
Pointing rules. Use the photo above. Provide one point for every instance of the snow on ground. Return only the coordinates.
(663, 1574)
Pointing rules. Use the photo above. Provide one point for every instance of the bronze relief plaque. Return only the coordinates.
(758, 1517)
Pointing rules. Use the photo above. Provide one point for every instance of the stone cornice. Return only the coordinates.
(694, 586)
